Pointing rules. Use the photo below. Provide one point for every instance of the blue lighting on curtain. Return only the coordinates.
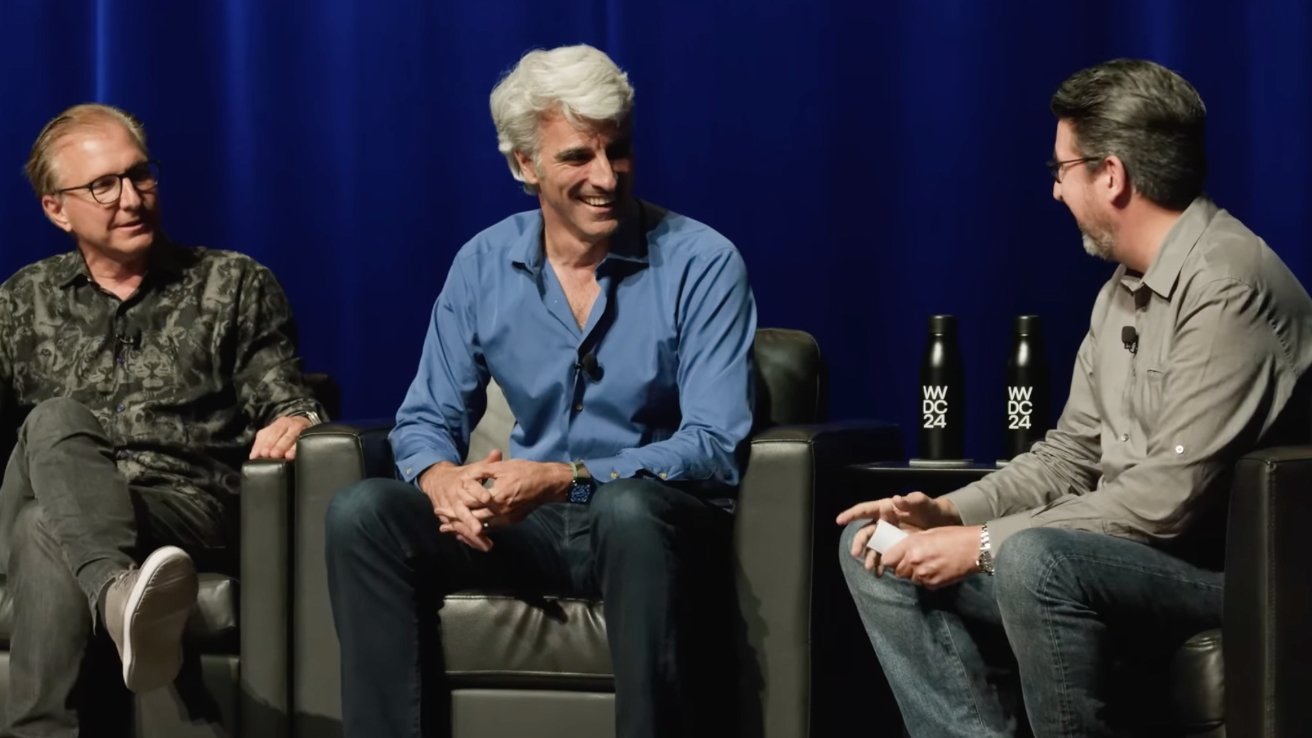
(875, 162)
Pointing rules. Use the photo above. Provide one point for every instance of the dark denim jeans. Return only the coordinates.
(638, 544)
(69, 522)
(1043, 627)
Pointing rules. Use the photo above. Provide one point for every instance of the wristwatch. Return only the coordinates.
(985, 560)
(581, 485)
(310, 415)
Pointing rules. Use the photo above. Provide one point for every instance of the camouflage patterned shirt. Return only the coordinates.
(181, 374)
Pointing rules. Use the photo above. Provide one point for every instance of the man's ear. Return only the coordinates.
(527, 169)
(1114, 184)
(53, 207)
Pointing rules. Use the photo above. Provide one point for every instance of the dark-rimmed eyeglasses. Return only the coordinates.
(108, 188)
(1058, 168)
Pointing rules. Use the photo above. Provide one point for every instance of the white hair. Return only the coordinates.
(578, 82)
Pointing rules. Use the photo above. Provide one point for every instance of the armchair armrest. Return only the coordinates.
(782, 512)
(1268, 594)
(265, 602)
(328, 458)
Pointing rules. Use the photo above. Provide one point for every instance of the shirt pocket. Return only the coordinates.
(1146, 402)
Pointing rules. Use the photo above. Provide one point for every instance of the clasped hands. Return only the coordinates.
(940, 550)
(466, 506)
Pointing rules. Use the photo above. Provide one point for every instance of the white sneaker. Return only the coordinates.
(145, 611)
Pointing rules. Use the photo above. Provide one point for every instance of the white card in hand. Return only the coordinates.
(886, 534)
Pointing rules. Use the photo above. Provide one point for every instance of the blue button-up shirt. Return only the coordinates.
(658, 382)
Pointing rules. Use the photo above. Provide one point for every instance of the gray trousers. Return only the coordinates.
(69, 522)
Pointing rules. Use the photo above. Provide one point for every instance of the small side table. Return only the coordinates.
(888, 478)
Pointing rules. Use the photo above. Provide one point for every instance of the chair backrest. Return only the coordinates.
(791, 388)
(792, 384)
(326, 390)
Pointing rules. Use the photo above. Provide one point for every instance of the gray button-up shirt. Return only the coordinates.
(1145, 447)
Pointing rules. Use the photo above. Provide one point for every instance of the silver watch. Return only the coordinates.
(985, 560)
(311, 416)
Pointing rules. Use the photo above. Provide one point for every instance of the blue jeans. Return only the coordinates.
(639, 544)
(1044, 627)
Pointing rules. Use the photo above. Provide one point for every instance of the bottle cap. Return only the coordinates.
(1028, 325)
(943, 324)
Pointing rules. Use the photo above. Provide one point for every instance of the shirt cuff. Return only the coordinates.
(1003, 528)
(613, 468)
(412, 466)
(301, 407)
(972, 505)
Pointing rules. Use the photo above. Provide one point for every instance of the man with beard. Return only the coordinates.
(146, 372)
(1020, 583)
(621, 334)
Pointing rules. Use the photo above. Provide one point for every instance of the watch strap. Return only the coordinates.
(985, 559)
(581, 485)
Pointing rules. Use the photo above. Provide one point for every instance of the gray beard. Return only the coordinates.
(1099, 246)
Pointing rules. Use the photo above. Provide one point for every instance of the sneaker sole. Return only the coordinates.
(155, 613)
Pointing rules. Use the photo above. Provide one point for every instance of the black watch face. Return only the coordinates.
(580, 492)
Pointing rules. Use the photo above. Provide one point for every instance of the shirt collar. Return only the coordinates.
(166, 260)
(1165, 269)
(629, 243)
(69, 268)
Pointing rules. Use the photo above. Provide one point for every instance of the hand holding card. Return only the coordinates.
(886, 535)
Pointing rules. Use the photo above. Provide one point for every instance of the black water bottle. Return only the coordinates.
(942, 394)
(1027, 388)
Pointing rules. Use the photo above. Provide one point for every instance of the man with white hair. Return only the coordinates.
(621, 335)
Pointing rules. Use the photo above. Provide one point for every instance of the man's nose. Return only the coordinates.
(129, 197)
(602, 176)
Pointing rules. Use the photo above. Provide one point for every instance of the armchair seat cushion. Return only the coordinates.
(504, 641)
(212, 626)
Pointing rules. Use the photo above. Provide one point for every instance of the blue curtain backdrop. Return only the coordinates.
(875, 162)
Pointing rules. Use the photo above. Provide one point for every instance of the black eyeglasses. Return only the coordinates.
(1058, 168)
(107, 189)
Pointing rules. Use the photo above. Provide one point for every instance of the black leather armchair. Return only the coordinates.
(1261, 685)
(542, 668)
(235, 680)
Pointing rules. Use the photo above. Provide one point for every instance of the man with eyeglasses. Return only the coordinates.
(146, 372)
(1020, 584)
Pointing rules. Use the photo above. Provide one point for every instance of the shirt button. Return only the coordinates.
(1179, 449)
(578, 407)
(1125, 437)
(120, 408)
(663, 475)
(409, 470)
(614, 475)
